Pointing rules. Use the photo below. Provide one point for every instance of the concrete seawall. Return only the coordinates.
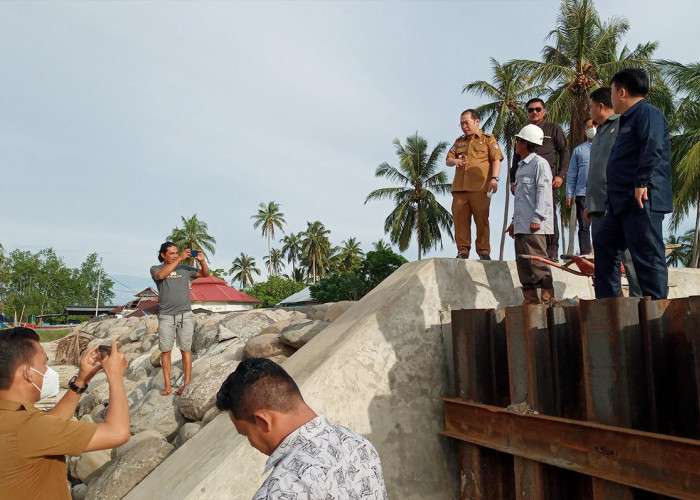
(379, 369)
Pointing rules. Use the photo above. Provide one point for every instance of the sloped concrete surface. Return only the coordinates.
(379, 369)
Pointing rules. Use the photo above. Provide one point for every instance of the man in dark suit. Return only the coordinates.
(639, 192)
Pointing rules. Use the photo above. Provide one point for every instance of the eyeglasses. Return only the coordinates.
(533, 110)
(466, 122)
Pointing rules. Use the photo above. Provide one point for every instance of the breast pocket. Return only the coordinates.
(526, 185)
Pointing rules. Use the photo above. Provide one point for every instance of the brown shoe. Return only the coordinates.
(462, 256)
(530, 296)
(548, 296)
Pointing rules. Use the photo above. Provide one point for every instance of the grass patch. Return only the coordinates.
(49, 335)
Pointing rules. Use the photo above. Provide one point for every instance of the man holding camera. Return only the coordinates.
(33, 444)
(175, 317)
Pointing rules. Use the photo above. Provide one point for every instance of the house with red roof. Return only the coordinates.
(215, 295)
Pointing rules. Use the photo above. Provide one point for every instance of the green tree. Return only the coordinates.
(685, 147)
(350, 255)
(380, 245)
(316, 248)
(219, 273)
(300, 275)
(274, 290)
(680, 255)
(416, 210)
(268, 217)
(242, 269)
(508, 91)
(193, 235)
(273, 262)
(85, 281)
(291, 248)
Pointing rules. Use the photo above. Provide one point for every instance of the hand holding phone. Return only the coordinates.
(104, 350)
(194, 253)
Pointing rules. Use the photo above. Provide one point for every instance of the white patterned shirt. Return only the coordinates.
(323, 461)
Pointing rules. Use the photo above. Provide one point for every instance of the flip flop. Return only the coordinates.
(166, 391)
(180, 389)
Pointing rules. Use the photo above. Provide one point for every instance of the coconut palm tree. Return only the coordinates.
(380, 245)
(685, 147)
(350, 255)
(193, 235)
(299, 275)
(242, 269)
(416, 210)
(268, 217)
(291, 248)
(679, 256)
(508, 91)
(273, 262)
(316, 248)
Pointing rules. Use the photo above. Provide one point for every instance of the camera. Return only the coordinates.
(104, 350)
(194, 253)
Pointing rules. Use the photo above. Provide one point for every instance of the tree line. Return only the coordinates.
(583, 53)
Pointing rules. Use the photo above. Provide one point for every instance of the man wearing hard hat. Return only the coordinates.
(533, 218)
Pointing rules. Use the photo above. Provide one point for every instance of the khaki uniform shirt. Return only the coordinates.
(33, 445)
(480, 150)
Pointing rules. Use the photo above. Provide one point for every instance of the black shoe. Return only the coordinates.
(484, 256)
(462, 256)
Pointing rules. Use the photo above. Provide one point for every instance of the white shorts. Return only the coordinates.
(172, 325)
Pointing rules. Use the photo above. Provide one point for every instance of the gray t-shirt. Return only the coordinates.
(174, 291)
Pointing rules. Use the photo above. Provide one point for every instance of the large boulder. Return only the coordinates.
(134, 441)
(318, 311)
(156, 412)
(186, 432)
(89, 464)
(175, 356)
(299, 333)
(335, 309)
(200, 394)
(176, 376)
(151, 322)
(128, 470)
(205, 336)
(244, 326)
(266, 346)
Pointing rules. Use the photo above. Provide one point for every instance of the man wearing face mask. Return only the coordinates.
(33, 444)
(576, 186)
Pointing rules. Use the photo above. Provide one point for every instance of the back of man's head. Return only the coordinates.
(603, 96)
(634, 80)
(17, 346)
(256, 384)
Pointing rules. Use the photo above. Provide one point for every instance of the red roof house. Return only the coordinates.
(214, 294)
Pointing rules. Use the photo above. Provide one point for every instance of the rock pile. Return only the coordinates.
(160, 424)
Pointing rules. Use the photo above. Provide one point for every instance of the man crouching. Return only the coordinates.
(310, 457)
(533, 210)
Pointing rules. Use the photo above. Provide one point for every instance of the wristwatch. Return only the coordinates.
(497, 179)
(75, 388)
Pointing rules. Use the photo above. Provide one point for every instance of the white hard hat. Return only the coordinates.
(531, 133)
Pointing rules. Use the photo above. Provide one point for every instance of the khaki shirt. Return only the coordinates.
(33, 445)
(480, 150)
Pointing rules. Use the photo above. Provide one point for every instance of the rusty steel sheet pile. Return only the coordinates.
(598, 399)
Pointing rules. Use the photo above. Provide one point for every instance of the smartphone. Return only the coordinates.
(104, 350)
(194, 253)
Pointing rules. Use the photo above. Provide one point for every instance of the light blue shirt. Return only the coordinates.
(578, 170)
(533, 196)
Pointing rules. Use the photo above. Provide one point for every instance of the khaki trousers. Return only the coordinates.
(465, 206)
(532, 274)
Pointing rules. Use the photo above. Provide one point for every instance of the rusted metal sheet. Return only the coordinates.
(658, 463)
(564, 324)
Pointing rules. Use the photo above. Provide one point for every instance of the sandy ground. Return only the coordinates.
(65, 373)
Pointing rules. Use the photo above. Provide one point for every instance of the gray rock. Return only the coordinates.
(299, 333)
(175, 375)
(138, 375)
(175, 356)
(156, 412)
(266, 346)
(138, 332)
(138, 392)
(79, 491)
(318, 311)
(200, 394)
(244, 326)
(128, 470)
(334, 310)
(276, 328)
(204, 337)
(186, 432)
(87, 418)
(89, 464)
(134, 441)
(210, 415)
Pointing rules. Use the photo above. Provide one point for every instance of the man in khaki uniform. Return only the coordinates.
(478, 160)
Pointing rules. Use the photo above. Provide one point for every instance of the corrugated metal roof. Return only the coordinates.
(301, 297)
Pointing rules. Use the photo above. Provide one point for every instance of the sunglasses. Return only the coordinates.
(537, 109)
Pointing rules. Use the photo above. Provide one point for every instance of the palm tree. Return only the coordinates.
(291, 248)
(242, 269)
(268, 217)
(350, 254)
(316, 248)
(416, 208)
(508, 91)
(273, 262)
(584, 56)
(680, 255)
(380, 246)
(685, 150)
(193, 235)
(299, 275)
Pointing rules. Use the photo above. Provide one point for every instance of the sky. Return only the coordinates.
(119, 118)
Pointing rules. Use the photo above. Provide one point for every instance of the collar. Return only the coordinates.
(634, 108)
(302, 434)
(6, 404)
(476, 135)
(529, 158)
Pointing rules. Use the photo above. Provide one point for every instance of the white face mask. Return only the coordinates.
(590, 132)
(50, 386)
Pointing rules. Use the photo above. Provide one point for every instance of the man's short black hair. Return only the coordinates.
(603, 96)
(634, 80)
(472, 112)
(531, 146)
(164, 248)
(16, 348)
(257, 384)
(534, 100)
